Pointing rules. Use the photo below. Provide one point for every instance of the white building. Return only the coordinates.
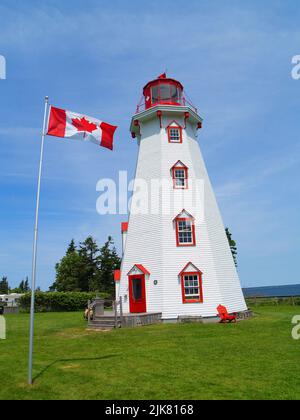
(176, 256)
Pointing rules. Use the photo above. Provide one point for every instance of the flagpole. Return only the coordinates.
(34, 256)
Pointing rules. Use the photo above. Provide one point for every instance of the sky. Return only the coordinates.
(94, 57)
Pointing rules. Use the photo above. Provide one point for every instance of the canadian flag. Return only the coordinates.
(67, 124)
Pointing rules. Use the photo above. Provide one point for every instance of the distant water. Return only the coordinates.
(273, 291)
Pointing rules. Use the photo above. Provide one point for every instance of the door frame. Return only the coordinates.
(131, 302)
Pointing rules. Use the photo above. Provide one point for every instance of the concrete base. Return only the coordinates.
(107, 320)
(241, 316)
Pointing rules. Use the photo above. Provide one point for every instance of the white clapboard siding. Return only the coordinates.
(151, 238)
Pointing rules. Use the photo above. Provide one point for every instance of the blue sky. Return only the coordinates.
(234, 59)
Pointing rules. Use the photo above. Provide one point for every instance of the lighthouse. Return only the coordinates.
(176, 258)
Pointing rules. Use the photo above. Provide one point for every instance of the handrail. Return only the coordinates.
(117, 303)
(183, 102)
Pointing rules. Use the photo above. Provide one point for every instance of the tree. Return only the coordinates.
(23, 287)
(69, 271)
(72, 247)
(26, 286)
(89, 252)
(232, 245)
(4, 286)
(86, 268)
(109, 261)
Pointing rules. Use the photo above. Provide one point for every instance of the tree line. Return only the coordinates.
(88, 268)
(5, 289)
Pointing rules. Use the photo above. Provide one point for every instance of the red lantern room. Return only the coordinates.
(163, 91)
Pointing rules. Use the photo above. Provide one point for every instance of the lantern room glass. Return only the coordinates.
(165, 93)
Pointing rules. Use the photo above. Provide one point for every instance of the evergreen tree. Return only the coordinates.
(232, 245)
(69, 271)
(26, 286)
(72, 247)
(109, 261)
(89, 252)
(87, 268)
(4, 286)
(23, 287)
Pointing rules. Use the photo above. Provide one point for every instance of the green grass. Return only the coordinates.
(255, 359)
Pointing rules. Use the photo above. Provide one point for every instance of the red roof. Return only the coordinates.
(124, 227)
(180, 215)
(190, 263)
(117, 275)
(143, 269)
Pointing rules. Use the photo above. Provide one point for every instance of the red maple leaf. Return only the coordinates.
(82, 124)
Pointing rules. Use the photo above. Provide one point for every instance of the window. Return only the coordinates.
(137, 288)
(180, 176)
(185, 232)
(191, 284)
(174, 135)
(175, 94)
(155, 97)
(165, 93)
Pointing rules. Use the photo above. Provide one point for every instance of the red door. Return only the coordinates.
(137, 294)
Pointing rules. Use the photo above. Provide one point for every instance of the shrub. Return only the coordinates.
(267, 301)
(58, 301)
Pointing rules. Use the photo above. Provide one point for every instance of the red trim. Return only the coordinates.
(141, 268)
(186, 177)
(168, 101)
(179, 219)
(117, 275)
(108, 132)
(184, 211)
(137, 306)
(200, 285)
(136, 123)
(178, 127)
(124, 227)
(162, 81)
(190, 263)
(57, 122)
(199, 125)
(159, 114)
(186, 116)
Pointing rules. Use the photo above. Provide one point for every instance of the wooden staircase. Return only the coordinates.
(105, 322)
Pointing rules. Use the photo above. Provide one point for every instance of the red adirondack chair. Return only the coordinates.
(224, 315)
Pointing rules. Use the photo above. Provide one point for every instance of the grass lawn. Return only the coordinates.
(256, 359)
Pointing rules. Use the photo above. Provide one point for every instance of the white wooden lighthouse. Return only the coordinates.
(176, 257)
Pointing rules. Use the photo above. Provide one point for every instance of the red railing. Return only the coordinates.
(183, 102)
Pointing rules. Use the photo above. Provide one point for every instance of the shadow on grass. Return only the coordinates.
(82, 359)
